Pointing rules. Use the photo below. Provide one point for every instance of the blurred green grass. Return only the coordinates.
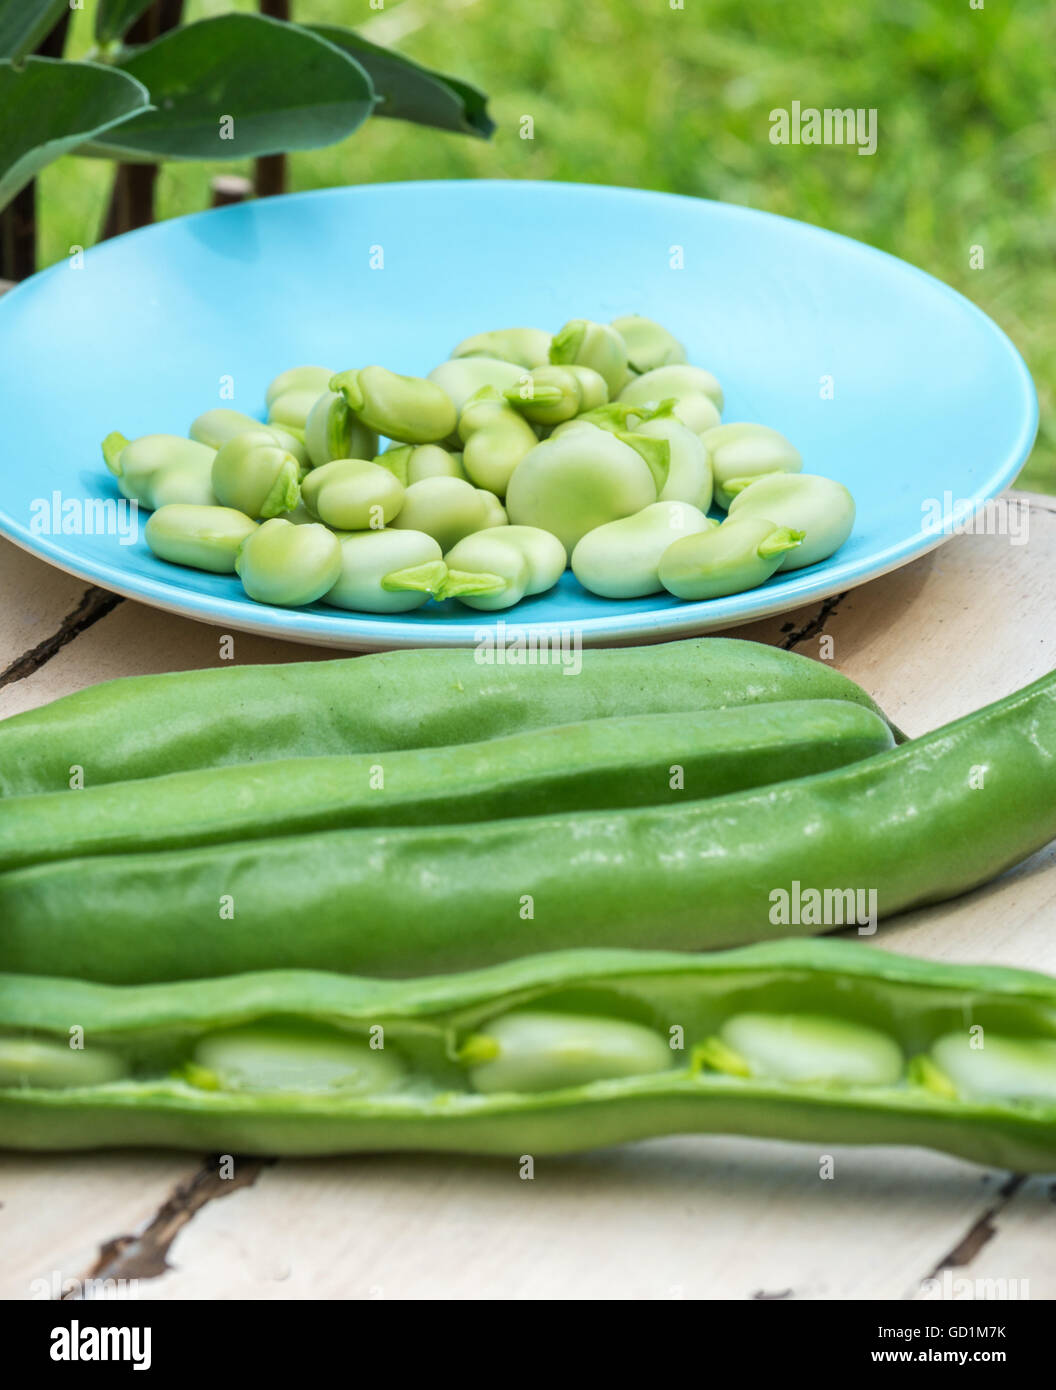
(634, 92)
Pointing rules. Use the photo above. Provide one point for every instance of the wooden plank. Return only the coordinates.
(668, 1219)
(57, 1210)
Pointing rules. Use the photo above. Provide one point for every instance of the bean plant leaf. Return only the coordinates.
(114, 18)
(408, 91)
(26, 23)
(236, 86)
(48, 107)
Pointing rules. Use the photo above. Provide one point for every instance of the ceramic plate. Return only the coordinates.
(882, 376)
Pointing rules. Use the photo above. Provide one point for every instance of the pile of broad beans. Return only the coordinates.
(598, 447)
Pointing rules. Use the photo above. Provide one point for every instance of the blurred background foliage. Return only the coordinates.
(635, 92)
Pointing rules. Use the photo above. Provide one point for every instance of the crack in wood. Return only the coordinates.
(816, 625)
(145, 1256)
(981, 1231)
(95, 604)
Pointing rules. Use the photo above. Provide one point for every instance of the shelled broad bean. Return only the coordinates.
(552, 1054)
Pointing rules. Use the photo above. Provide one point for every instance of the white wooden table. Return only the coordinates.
(680, 1218)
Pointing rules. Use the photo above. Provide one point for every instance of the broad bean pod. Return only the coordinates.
(908, 825)
(555, 1053)
(144, 726)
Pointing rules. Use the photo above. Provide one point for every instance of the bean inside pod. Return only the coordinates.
(824, 1041)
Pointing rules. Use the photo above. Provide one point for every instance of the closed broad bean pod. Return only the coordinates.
(688, 477)
(820, 508)
(158, 469)
(574, 483)
(387, 572)
(445, 508)
(550, 1054)
(648, 343)
(549, 395)
(143, 726)
(205, 538)
(289, 565)
(333, 432)
(409, 409)
(216, 427)
(676, 380)
(738, 555)
(587, 766)
(621, 558)
(315, 379)
(527, 347)
(582, 343)
(352, 495)
(255, 475)
(495, 438)
(465, 376)
(740, 452)
(410, 463)
(485, 571)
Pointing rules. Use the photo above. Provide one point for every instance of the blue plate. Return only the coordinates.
(883, 377)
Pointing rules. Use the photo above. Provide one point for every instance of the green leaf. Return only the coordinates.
(26, 23)
(280, 87)
(410, 92)
(114, 18)
(47, 107)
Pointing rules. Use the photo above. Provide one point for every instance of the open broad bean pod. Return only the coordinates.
(822, 1041)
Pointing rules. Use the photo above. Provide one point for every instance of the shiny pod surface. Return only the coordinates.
(141, 726)
(550, 1054)
(598, 763)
